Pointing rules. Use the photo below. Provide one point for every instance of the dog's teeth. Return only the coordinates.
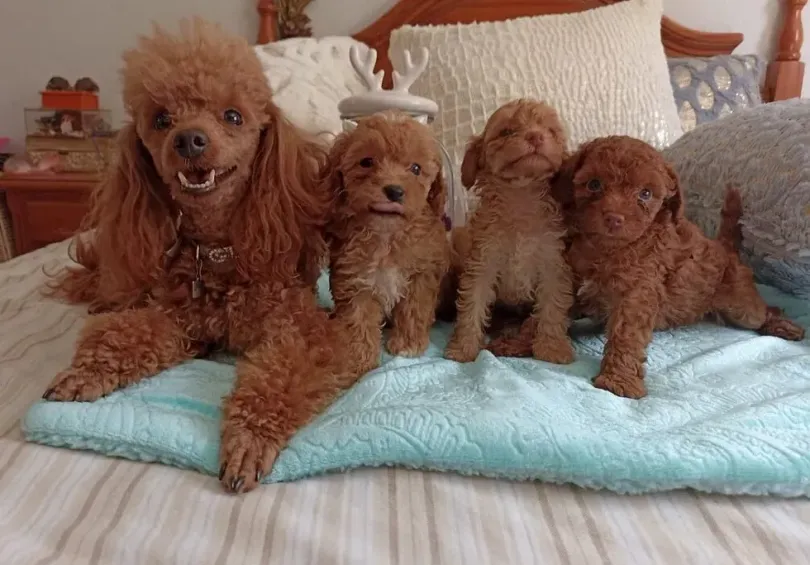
(183, 179)
(212, 176)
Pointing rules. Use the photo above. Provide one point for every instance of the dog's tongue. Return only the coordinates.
(388, 208)
(197, 176)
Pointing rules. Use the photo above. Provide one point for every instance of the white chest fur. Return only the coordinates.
(388, 286)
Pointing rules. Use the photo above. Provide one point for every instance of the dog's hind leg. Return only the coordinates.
(738, 301)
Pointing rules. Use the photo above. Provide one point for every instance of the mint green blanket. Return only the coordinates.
(728, 411)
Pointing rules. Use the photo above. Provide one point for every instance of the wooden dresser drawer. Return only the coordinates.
(46, 208)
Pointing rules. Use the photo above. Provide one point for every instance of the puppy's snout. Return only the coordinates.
(190, 143)
(394, 192)
(536, 138)
(614, 222)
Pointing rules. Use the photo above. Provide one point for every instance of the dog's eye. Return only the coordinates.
(594, 185)
(367, 162)
(416, 169)
(162, 120)
(233, 117)
(645, 194)
(506, 132)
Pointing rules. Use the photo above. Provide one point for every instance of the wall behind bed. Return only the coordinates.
(41, 38)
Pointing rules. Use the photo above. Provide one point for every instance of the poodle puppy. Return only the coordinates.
(208, 233)
(640, 266)
(388, 242)
(512, 248)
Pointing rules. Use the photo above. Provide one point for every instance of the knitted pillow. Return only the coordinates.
(603, 69)
(765, 152)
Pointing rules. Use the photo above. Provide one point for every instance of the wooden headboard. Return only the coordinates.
(286, 18)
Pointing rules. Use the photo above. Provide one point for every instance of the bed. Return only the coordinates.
(59, 507)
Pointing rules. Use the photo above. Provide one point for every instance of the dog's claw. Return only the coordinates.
(259, 476)
(237, 483)
(222, 470)
(48, 393)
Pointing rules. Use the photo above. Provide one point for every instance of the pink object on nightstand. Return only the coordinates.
(3, 142)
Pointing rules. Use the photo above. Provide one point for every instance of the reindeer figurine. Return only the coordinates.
(378, 99)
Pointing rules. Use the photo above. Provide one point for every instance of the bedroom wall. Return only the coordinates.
(40, 38)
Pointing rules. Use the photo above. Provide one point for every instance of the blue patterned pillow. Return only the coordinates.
(765, 153)
(708, 88)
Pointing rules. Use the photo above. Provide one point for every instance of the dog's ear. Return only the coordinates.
(562, 185)
(472, 160)
(331, 180)
(674, 200)
(437, 197)
(132, 227)
(280, 221)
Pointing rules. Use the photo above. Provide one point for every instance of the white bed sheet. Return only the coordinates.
(60, 507)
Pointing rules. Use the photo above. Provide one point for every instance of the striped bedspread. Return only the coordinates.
(59, 507)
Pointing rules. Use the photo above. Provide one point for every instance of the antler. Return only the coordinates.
(412, 71)
(366, 68)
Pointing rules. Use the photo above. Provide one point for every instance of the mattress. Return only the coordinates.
(65, 507)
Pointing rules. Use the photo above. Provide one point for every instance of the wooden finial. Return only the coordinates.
(792, 34)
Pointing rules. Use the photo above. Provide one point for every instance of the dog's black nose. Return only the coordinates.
(394, 192)
(190, 143)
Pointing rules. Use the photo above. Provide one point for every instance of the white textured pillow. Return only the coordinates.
(604, 70)
(309, 76)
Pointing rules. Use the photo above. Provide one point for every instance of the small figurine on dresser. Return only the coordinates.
(512, 249)
(388, 242)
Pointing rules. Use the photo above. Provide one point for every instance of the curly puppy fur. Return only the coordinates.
(512, 249)
(640, 266)
(389, 248)
(266, 203)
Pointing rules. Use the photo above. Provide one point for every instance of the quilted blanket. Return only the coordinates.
(727, 411)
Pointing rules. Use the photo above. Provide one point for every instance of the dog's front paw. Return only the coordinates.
(462, 350)
(245, 458)
(80, 385)
(553, 349)
(407, 346)
(632, 387)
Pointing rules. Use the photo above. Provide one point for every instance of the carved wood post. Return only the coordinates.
(786, 72)
(268, 21)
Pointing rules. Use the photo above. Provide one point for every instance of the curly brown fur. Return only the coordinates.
(389, 248)
(640, 266)
(265, 203)
(512, 248)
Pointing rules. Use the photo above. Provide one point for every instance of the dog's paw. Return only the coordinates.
(79, 385)
(626, 387)
(406, 346)
(553, 349)
(462, 351)
(245, 459)
(778, 326)
(510, 346)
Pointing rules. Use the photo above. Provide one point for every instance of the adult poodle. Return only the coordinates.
(389, 248)
(207, 233)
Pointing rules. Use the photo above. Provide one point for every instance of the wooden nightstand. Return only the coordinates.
(46, 208)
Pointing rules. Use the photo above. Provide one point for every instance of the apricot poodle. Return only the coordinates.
(512, 248)
(388, 242)
(208, 234)
(640, 265)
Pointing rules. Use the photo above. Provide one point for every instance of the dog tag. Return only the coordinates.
(197, 287)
